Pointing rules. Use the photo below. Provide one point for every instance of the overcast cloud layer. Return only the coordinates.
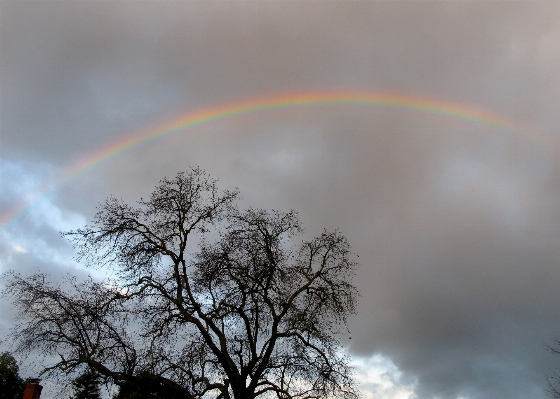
(457, 224)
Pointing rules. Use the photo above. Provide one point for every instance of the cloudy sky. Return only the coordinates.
(456, 220)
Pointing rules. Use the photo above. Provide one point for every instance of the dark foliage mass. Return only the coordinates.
(148, 386)
(86, 386)
(11, 384)
(207, 300)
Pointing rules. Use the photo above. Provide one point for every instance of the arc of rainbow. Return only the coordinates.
(287, 100)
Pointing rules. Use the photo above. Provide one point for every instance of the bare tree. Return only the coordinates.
(207, 301)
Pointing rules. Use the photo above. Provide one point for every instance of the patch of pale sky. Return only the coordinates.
(380, 378)
(26, 183)
(18, 180)
(44, 214)
(19, 249)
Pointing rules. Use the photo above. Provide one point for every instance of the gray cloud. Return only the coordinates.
(456, 222)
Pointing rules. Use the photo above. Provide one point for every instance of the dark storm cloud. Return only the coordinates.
(456, 223)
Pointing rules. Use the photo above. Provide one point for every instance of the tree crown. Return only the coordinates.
(11, 384)
(86, 386)
(207, 300)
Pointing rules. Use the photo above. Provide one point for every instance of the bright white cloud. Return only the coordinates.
(380, 378)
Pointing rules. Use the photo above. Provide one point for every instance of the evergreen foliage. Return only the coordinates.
(86, 386)
(11, 384)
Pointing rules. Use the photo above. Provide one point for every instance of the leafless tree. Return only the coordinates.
(208, 301)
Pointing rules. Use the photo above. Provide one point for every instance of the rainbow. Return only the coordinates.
(260, 104)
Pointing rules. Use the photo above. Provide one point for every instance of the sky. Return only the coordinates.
(450, 196)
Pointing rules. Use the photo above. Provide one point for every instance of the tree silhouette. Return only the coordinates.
(11, 384)
(148, 386)
(86, 386)
(206, 300)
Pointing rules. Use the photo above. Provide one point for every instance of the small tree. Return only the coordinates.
(86, 386)
(11, 384)
(207, 300)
